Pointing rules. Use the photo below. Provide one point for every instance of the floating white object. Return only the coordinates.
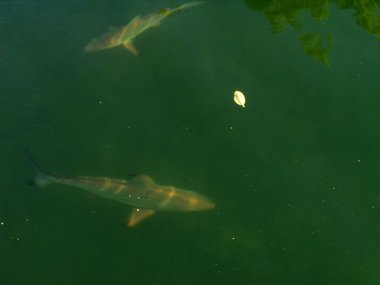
(239, 98)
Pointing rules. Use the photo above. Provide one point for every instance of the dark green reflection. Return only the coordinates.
(283, 13)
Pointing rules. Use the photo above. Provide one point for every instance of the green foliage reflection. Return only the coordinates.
(283, 13)
(312, 45)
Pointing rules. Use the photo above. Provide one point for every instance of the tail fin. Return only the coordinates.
(180, 7)
(42, 178)
(190, 4)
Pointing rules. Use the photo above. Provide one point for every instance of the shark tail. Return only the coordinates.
(178, 8)
(190, 4)
(42, 178)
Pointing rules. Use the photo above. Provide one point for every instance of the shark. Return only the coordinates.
(124, 36)
(140, 191)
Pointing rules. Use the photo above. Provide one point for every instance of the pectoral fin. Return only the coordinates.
(139, 215)
(131, 48)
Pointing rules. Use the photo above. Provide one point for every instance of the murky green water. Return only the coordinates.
(294, 175)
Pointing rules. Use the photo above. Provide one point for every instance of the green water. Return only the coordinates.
(294, 175)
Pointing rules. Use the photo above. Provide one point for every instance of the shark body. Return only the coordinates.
(141, 192)
(124, 36)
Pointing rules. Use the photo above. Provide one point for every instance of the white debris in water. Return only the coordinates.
(239, 98)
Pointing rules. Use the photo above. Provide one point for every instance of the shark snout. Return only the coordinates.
(205, 204)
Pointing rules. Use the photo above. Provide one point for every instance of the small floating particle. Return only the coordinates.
(239, 98)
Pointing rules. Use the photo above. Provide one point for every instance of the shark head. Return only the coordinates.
(94, 45)
(201, 203)
(103, 42)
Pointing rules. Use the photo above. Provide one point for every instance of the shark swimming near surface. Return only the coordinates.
(124, 36)
(140, 191)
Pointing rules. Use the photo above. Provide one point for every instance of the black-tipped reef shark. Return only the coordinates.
(141, 192)
(124, 36)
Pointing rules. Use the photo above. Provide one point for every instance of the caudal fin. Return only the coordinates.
(180, 7)
(42, 178)
(191, 4)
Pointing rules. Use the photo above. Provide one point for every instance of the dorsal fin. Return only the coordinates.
(135, 19)
(142, 181)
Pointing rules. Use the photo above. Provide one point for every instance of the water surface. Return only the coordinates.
(294, 175)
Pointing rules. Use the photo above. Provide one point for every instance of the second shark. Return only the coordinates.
(140, 192)
(124, 36)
